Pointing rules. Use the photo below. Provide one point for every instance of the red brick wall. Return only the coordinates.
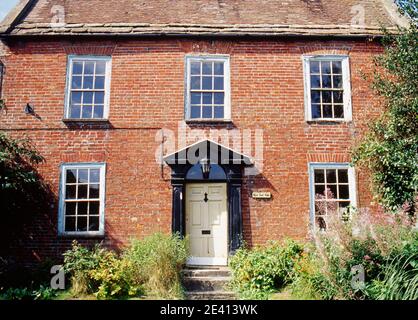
(147, 94)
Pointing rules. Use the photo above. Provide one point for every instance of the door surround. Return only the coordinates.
(231, 162)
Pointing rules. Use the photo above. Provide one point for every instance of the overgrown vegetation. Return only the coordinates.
(148, 267)
(370, 256)
(259, 272)
(389, 150)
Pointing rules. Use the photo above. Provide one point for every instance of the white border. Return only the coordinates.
(61, 223)
(108, 76)
(346, 85)
(227, 85)
(330, 165)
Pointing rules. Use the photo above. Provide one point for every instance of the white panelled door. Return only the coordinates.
(207, 223)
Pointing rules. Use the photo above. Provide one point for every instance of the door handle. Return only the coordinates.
(205, 231)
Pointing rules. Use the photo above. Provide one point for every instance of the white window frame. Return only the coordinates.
(227, 86)
(61, 210)
(108, 75)
(345, 64)
(352, 186)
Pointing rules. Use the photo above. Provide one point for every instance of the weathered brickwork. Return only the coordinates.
(147, 94)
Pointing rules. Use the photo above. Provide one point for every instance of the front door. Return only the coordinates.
(207, 223)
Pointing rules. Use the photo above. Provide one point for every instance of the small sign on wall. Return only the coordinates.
(261, 195)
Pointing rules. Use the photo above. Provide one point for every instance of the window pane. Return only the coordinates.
(344, 191)
(76, 82)
(219, 112)
(314, 66)
(336, 67)
(100, 83)
(98, 111)
(327, 111)
(88, 83)
(320, 222)
(75, 98)
(77, 68)
(319, 176)
(219, 83)
(207, 112)
(315, 82)
(326, 81)
(207, 98)
(195, 82)
(331, 191)
(71, 176)
(207, 68)
(82, 191)
(94, 191)
(93, 223)
(195, 67)
(338, 96)
(338, 82)
(99, 97)
(94, 175)
(70, 224)
(75, 111)
(195, 112)
(70, 208)
(326, 67)
(94, 207)
(81, 223)
(70, 192)
(82, 208)
(315, 96)
(195, 98)
(316, 111)
(219, 68)
(326, 96)
(331, 176)
(342, 175)
(89, 67)
(219, 98)
(83, 175)
(320, 189)
(338, 111)
(344, 204)
(100, 67)
(207, 83)
(87, 97)
(87, 112)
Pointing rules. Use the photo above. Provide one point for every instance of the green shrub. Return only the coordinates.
(398, 279)
(258, 272)
(155, 263)
(150, 266)
(369, 241)
(41, 293)
(78, 263)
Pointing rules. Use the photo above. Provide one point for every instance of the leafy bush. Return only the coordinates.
(399, 278)
(258, 272)
(42, 293)
(389, 148)
(151, 266)
(79, 262)
(372, 242)
(155, 263)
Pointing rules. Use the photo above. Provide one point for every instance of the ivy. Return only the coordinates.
(389, 149)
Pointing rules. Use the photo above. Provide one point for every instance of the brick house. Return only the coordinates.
(221, 120)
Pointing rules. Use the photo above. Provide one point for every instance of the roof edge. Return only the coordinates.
(7, 24)
(394, 13)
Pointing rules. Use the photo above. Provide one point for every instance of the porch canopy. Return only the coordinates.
(221, 164)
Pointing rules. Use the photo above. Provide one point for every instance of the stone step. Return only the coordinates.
(206, 283)
(210, 295)
(219, 272)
